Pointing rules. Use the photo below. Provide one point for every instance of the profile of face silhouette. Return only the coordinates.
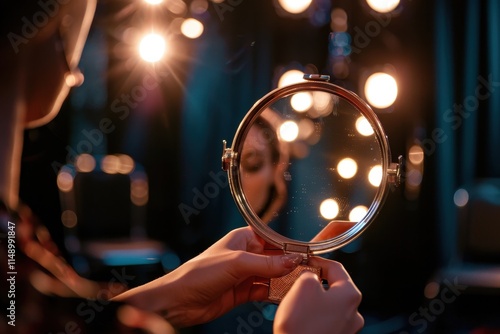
(263, 163)
(40, 54)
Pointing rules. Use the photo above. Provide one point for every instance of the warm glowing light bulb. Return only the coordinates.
(416, 155)
(381, 90)
(322, 102)
(347, 168)
(329, 208)
(85, 163)
(295, 6)
(65, 181)
(153, 2)
(358, 213)
(152, 47)
(289, 131)
(363, 126)
(139, 191)
(301, 101)
(338, 20)
(192, 28)
(383, 6)
(69, 218)
(110, 164)
(291, 77)
(375, 175)
(126, 164)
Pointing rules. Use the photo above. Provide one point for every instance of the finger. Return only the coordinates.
(333, 229)
(252, 289)
(242, 238)
(333, 271)
(308, 281)
(248, 264)
(341, 284)
(255, 244)
(306, 286)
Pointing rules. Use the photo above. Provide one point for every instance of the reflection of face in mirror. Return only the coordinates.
(310, 174)
(262, 166)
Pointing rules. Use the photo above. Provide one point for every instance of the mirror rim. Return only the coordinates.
(262, 229)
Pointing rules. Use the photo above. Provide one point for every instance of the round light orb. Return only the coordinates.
(329, 208)
(152, 47)
(381, 90)
(192, 28)
(383, 6)
(294, 6)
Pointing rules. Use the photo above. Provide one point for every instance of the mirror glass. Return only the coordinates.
(310, 165)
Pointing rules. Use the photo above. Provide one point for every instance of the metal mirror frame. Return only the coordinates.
(230, 161)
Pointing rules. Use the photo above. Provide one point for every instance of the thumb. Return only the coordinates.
(308, 281)
(267, 265)
(306, 288)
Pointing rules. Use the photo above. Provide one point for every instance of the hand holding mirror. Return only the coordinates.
(309, 169)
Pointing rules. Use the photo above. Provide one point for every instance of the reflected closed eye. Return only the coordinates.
(252, 161)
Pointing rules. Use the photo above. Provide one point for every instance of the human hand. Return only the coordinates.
(309, 308)
(217, 280)
(333, 229)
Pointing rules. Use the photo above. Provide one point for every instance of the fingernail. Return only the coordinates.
(291, 260)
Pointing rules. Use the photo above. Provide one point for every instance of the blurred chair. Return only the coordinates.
(103, 202)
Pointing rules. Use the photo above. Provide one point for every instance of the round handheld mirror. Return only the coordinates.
(310, 167)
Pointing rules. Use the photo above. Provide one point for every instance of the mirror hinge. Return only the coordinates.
(298, 249)
(227, 156)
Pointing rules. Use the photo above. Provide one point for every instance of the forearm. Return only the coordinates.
(149, 297)
(158, 296)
